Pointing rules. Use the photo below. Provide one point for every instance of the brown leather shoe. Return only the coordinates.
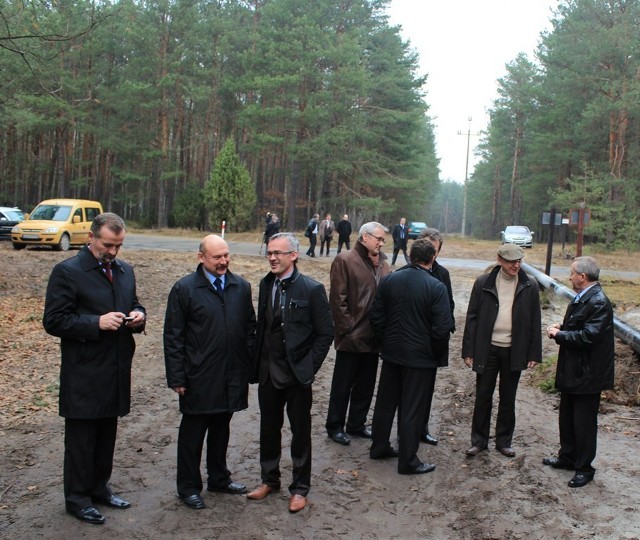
(297, 502)
(260, 492)
(506, 451)
(475, 450)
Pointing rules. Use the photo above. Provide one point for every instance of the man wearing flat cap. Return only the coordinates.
(502, 336)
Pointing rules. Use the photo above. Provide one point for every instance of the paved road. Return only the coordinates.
(172, 243)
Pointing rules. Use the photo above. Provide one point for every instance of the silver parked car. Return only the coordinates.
(519, 235)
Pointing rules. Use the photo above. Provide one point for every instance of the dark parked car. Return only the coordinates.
(414, 228)
(519, 235)
(9, 217)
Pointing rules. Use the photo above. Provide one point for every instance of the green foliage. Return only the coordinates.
(545, 374)
(189, 209)
(229, 194)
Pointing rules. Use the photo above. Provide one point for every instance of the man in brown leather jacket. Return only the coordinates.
(355, 275)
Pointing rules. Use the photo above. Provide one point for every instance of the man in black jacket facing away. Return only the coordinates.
(412, 316)
(209, 333)
(295, 331)
(93, 307)
(585, 368)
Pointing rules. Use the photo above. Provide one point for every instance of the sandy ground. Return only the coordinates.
(488, 497)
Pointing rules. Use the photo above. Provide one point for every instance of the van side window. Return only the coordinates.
(78, 213)
(92, 213)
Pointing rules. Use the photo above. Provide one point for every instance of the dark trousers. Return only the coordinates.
(396, 250)
(498, 362)
(88, 460)
(326, 240)
(297, 401)
(347, 244)
(191, 434)
(404, 389)
(354, 380)
(427, 413)
(579, 430)
(312, 245)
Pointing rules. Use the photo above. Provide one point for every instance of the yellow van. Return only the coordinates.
(59, 223)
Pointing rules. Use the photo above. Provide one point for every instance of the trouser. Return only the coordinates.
(347, 244)
(326, 240)
(395, 254)
(405, 389)
(191, 434)
(430, 390)
(312, 245)
(578, 422)
(354, 380)
(88, 460)
(498, 362)
(297, 401)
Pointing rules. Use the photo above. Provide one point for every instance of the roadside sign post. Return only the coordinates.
(552, 219)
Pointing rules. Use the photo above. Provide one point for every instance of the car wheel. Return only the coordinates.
(64, 243)
(19, 246)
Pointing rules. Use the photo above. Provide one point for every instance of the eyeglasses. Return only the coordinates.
(378, 238)
(517, 261)
(277, 253)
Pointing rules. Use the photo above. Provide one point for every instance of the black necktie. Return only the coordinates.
(218, 284)
(276, 297)
(107, 271)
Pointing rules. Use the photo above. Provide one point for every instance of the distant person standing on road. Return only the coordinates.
(92, 306)
(343, 229)
(273, 227)
(400, 237)
(585, 368)
(327, 226)
(442, 275)
(311, 232)
(502, 336)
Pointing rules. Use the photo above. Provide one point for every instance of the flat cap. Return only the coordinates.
(510, 252)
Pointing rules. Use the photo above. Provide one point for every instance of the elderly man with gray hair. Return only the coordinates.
(586, 340)
(354, 279)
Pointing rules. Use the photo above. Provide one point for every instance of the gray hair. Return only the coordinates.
(370, 228)
(432, 234)
(111, 221)
(294, 245)
(587, 266)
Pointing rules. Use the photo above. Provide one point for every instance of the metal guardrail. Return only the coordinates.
(624, 332)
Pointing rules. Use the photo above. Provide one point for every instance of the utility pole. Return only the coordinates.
(466, 177)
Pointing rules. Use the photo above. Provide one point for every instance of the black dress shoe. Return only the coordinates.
(112, 500)
(475, 450)
(420, 469)
(427, 438)
(232, 488)
(340, 437)
(580, 480)
(506, 451)
(389, 452)
(364, 432)
(193, 501)
(88, 515)
(557, 463)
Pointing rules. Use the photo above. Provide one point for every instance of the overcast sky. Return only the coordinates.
(463, 47)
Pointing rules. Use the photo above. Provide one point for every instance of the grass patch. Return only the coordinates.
(544, 375)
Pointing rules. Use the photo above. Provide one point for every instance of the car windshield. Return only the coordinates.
(418, 224)
(13, 215)
(517, 230)
(51, 212)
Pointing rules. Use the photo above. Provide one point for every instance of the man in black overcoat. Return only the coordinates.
(92, 305)
(209, 333)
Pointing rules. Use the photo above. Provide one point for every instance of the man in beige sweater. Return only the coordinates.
(502, 336)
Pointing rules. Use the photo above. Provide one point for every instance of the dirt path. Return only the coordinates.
(489, 497)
